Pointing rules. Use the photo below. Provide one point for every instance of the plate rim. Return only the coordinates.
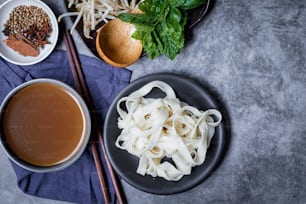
(220, 148)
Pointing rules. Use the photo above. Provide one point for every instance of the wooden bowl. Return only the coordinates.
(115, 45)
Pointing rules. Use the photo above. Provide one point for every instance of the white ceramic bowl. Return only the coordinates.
(14, 57)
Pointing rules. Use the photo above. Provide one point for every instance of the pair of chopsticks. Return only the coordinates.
(81, 87)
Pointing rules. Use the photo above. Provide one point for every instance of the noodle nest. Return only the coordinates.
(167, 135)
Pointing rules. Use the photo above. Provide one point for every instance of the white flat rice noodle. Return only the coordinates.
(155, 129)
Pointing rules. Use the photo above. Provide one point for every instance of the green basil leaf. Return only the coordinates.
(174, 16)
(170, 48)
(150, 46)
(136, 18)
(176, 3)
(190, 4)
(145, 6)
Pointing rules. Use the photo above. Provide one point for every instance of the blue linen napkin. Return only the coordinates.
(79, 182)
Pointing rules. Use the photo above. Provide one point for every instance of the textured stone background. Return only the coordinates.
(252, 54)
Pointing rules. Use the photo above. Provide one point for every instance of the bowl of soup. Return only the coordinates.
(45, 125)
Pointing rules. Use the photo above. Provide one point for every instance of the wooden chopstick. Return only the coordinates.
(82, 86)
(73, 64)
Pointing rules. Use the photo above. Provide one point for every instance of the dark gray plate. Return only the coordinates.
(126, 164)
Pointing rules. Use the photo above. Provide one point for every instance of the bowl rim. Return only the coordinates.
(55, 32)
(78, 151)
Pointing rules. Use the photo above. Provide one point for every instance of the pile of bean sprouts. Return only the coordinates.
(94, 12)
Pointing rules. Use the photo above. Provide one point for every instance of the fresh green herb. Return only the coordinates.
(191, 4)
(161, 25)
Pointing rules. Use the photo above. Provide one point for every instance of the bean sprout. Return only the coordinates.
(94, 12)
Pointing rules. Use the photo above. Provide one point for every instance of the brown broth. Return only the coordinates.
(43, 124)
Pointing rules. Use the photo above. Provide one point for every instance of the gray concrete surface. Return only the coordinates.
(253, 54)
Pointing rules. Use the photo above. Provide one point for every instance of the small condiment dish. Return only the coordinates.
(115, 44)
(13, 56)
(45, 125)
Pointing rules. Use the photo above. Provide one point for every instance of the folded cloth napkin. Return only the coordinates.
(79, 182)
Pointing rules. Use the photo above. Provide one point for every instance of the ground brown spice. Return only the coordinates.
(21, 46)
